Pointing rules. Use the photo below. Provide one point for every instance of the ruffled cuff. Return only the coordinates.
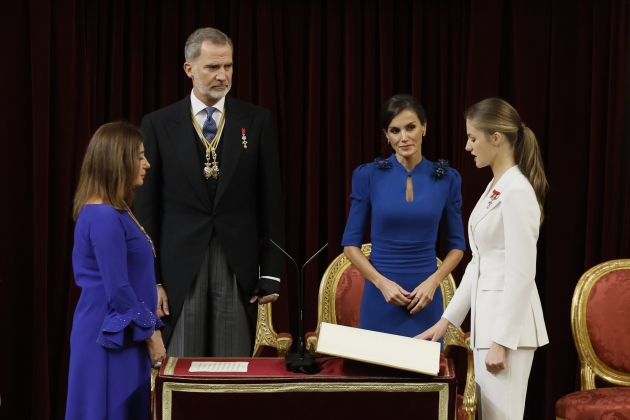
(145, 322)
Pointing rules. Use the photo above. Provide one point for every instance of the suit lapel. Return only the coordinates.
(232, 146)
(183, 137)
(474, 216)
(485, 204)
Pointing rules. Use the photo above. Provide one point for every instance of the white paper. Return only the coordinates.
(379, 348)
(218, 367)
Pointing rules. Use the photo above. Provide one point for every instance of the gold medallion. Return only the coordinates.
(214, 170)
(211, 169)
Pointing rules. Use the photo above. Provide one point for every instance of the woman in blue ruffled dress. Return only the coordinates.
(115, 335)
(405, 196)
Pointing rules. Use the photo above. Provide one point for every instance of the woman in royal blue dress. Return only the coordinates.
(115, 333)
(406, 196)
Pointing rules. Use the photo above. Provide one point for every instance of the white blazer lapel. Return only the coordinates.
(475, 216)
(486, 204)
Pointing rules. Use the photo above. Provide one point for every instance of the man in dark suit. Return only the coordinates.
(212, 203)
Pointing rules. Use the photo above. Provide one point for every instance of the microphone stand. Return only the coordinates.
(301, 361)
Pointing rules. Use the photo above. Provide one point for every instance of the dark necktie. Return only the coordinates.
(210, 127)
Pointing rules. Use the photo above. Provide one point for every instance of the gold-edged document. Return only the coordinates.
(379, 348)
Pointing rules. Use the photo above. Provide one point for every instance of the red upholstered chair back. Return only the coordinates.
(600, 321)
(348, 297)
(340, 293)
(339, 302)
(600, 314)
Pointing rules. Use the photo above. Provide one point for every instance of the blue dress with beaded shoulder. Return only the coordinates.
(403, 235)
(110, 369)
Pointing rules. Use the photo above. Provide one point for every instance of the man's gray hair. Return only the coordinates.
(193, 44)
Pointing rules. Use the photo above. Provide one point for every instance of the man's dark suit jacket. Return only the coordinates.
(174, 203)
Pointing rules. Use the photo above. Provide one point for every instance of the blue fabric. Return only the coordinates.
(110, 369)
(403, 236)
(378, 315)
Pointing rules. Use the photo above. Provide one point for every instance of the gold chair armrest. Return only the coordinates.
(266, 336)
(284, 345)
(311, 343)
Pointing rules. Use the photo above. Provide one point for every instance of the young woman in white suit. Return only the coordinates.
(498, 286)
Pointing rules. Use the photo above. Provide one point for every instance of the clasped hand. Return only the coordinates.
(393, 293)
(420, 297)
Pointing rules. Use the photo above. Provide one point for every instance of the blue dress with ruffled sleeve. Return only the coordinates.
(110, 369)
(403, 236)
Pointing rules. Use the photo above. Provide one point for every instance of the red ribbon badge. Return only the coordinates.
(494, 196)
(244, 137)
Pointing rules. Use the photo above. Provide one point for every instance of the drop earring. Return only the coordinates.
(424, 134)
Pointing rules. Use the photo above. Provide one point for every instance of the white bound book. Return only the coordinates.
(379, 348)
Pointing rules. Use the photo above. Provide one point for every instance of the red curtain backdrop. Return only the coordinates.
(323, 68)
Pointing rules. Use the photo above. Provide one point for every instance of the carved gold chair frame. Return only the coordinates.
(266, 336)
(590, 363)
(326, 312)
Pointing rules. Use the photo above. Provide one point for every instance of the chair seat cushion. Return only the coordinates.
(595, 404)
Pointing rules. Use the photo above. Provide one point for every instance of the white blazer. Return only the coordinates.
(499, 282)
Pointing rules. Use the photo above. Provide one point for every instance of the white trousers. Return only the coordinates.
(501, 396)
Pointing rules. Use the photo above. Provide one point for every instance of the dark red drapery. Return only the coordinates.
(323, 68)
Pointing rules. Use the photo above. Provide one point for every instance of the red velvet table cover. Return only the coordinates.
(343, 389)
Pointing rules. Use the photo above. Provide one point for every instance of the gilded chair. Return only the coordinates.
(600, 321)
(266, 336)
(339, 302)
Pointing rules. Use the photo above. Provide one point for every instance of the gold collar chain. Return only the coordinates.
(211, 169)
(141, 228)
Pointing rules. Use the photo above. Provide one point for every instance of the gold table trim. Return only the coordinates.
(169, 370)
(170, 387)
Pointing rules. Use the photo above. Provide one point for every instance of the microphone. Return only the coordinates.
(301, 361)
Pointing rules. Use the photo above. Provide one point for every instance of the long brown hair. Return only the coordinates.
(110, 166)
(494, 115)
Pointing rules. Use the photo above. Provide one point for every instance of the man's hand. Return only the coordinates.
(162, 307)
(264, 299)
(266, 290)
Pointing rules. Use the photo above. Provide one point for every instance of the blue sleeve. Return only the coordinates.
(452, 213)
(360, 208)
(108, 238)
